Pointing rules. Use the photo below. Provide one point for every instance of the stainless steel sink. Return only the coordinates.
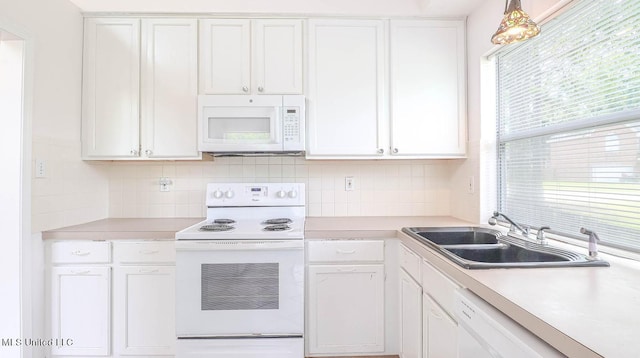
(456, 235)
(481, 248)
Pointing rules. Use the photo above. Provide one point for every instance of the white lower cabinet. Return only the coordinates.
(410, 317)
(80, 310)
(144, 322)
(427, 329)
(440, 330)
(135, 304)
(440, 337)
(345, 300)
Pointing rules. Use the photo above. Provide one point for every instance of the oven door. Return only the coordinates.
(239, 288)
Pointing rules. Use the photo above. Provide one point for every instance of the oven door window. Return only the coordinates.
(240, 286)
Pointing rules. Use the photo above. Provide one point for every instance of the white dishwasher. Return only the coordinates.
(485, 332)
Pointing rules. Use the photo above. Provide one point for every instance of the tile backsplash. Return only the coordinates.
(382, 188)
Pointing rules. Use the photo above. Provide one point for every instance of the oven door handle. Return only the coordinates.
(213, 245)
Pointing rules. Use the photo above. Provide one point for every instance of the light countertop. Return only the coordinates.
(581, 311)
(123, 229)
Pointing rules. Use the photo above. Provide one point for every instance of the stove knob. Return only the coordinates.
(218, 194)
(281, 194)
(293, 194)
(228, 194)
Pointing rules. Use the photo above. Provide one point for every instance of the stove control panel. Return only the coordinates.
(255, 194)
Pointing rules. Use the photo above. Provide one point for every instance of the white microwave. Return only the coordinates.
(251, 124)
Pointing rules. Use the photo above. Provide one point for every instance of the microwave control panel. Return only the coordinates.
(291, 124)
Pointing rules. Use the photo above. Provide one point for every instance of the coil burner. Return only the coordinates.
(278, 227)
(216, 227)
(277, 221)
(224, 221)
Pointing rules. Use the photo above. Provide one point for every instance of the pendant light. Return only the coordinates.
(515, 26)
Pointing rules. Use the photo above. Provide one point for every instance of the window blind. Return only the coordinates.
(568, 126)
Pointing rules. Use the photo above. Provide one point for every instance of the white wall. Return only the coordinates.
(481, 25)
(53, 33)
(11, 85)
(73, 191)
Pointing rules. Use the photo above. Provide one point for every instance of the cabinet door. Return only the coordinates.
(410, 317)
(428, 115)
(144, 310)
(277, 60)
(169, 88)
(346, 309)
(440, 331)
(110, 89)
(347, 114)
(225, 56)
(80, 310)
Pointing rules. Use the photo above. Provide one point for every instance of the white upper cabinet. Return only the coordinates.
(169, 88)
(225, 56)
(428, 96)
(377, 94)
(277, 66)
(140, 89)
(242, 56)
(346, 96)
(111, 87)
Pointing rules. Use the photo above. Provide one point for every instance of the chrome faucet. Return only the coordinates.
(542, 240)
(514, 225)
(593, 243)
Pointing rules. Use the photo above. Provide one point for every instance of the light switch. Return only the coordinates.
(41, 169)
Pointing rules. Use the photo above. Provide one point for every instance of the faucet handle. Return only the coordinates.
(540, 235)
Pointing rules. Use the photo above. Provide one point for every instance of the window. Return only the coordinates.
(568, 109)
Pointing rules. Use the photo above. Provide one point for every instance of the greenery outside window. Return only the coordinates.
(568, 123)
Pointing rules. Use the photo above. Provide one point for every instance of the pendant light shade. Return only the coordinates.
(515, 26)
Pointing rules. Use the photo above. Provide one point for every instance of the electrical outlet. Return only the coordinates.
(349, 183)
(41, 169)
(165, 183)
(471, 186)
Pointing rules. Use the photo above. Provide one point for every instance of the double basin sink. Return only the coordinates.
(482, 248)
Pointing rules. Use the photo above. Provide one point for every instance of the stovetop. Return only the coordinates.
(250, 211)
(248, 229)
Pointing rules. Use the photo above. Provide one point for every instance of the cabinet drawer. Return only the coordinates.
(410, 262)
(144, 252)
(439, 287)
(345, 250)
(71, 252)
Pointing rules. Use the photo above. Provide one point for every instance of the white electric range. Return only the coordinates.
(240, 274)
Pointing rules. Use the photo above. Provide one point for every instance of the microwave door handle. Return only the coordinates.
(278, 127)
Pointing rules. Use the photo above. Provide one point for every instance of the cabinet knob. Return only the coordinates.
(380, 151)
(395, 150)
(148, 152)
(245, 89)
(134, 152)
(260, 89)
